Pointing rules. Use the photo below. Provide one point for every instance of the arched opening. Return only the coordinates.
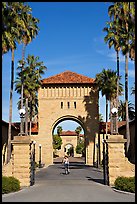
(71, 131)
(69, 150)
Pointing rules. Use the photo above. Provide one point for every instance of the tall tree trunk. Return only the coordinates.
(23, 56)
(106, 117)
(30, 117)
(26, 118)
(22, 81)
(117, 103)
(10, 108)
(126, 101)
(111, 126)
(30, 128)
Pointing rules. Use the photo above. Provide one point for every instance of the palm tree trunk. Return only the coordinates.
(23, 55)
(22, 81)
(117, 103)
(10, 108)
(106, 117)
(30, 118)
(30, 128)
(126, 101)
(26, 118)
(111, 126)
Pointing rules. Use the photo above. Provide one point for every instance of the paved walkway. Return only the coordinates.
(83, 184)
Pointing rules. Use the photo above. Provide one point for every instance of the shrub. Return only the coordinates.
(125, 183)
(10, 184)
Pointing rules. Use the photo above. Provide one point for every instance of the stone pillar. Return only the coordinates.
(21, 159)
(90, 153)
(118, 164)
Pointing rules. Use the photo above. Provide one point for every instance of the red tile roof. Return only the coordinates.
(69, 133)
(68, 77)
(102, 126)
(34, 126)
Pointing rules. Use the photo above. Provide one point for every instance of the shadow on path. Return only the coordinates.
(78, 171)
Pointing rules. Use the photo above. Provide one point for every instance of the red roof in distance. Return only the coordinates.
(70, 133)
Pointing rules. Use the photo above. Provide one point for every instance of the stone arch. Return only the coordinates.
(74, 140)
(68, 117)
(72, 96)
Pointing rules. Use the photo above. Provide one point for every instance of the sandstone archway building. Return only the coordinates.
(67, 96)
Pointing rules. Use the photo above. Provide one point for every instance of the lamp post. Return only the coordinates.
(22, 115)
(39, 155)
(114, 129)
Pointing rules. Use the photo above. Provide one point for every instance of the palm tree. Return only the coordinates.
(33, 71)
(101, 118)
(27, 34)
(122, 111)
(10, 25)
(78, 130)
(10, 36)
(123, 14)
(133, 89)
(106, 82)
(59, 130)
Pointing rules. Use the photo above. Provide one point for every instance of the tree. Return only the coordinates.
(80, 148)
(106, 82)
(10, 36)
(123, 15)
(78, 130)
(122, 111)
(133, 89)
(29, 31)
(101, 118)
(13, 24)
(127, 29)
(113, 39)
(59, 130)
(57, 142)
(33, 71)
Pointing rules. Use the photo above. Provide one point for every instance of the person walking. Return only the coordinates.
(66, 164)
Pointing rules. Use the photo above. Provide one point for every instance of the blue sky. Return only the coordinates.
(70, 38)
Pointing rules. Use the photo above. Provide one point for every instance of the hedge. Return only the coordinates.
(10, 184)
(125, 184)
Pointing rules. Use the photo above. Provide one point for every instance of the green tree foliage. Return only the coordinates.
(122, 111)
(59, 130)
(57, 142)
(13, 24)
(101, 117)
(122, 24)
(78, 130)
(32, 74)
(80, 148)
(106, 82)
(133, 89)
